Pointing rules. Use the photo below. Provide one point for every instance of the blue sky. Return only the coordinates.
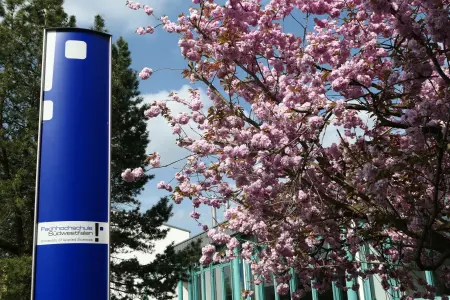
(157, 51)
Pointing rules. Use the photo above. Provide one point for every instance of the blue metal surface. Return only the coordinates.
(74, 170)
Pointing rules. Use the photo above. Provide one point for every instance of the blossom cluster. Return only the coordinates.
(375, 75)
(132, 175)
(145, 73)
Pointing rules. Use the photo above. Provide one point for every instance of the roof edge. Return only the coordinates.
(198, 235)
(176, 227)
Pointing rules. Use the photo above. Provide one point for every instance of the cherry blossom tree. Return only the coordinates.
(373, 73)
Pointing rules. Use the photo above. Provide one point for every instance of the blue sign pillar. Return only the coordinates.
(71, 247)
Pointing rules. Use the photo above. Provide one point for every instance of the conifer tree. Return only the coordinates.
(21, 28)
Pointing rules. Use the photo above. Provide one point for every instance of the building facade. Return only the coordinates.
(234, 281)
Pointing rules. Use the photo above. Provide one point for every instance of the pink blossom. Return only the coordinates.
(205, 260)
(127, 175)
(148, 10)
(145, 73)
(150, 29)
(182, 118)
(208, 249)
(152, 112)
(140, 30)
(180, 177)
(233, 243)
(198, 117)
(164, 186)
(155, 160)
(133, 5)
(261, 141)
(177, 198)
(132, 175)
(196, 104)
(283, 288)
(315, 122)
(218, 237)
(138, 173)
(194, 215)
(176, 129)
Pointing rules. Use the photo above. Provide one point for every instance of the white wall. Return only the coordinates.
(174, 235)
(185, 291)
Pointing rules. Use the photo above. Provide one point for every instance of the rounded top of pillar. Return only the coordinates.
(76, 29)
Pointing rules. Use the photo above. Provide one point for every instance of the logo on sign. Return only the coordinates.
(68, 230)
(72, 232)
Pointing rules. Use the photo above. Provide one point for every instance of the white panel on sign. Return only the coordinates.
(48, 110)
(76, 49)
(49, 60)
(72, 232)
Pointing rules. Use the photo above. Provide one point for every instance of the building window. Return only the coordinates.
(198, 287)
(219, 285)
(308, 296)
(326, 295)
(375, 289)
(208, 284)
(269, 290)
(228, 283)
(247, 281)
(298, 284)
(439, 283)
(342, 283)
(417, 277)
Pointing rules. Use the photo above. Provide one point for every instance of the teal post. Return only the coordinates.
(248, 272)
(336, 292)
(392, 282)
(315, 294)
(261, 290)
(394, 294)
(213, 283)
(180, 290)
(190, 289)
(365, 266)
(236, 277)
(293, 281)
(202, 278)
(429, 277)
(351, 294)
(224, 292)
(195, 287)
(367, 288)
(277, 297)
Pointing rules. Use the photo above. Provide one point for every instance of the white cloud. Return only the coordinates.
(180, 215)
(115, 12)
(330, 135)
